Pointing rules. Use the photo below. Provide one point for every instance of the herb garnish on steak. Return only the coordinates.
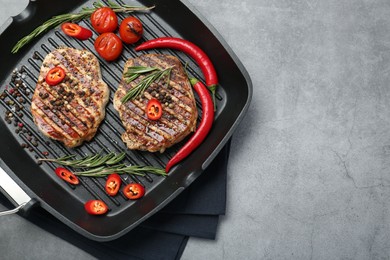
(178, 103)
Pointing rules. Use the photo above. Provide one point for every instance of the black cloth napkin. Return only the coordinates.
(195, 212)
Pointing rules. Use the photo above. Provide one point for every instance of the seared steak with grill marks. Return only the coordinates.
(178, 103)
(72, 110)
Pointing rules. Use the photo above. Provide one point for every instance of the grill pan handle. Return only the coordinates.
(14, 193)
(12, 211)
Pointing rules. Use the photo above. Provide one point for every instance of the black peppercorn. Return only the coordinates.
(36, 56)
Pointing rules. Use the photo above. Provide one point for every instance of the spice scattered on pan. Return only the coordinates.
(14, 97)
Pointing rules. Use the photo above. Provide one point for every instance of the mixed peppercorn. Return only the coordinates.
(161, 95)
(14, 98)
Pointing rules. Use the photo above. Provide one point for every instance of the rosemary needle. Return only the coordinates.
(155, 75)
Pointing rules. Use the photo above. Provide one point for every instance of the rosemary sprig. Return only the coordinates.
(99, 165)
(88, 161)
(121, 169)
(155, 75)
(75, 17)
(134, 72)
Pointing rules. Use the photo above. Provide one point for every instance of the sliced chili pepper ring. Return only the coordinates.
(67, 175)
(55, 76)
(134, 191)
(95, 207)
(113, 184)
(154, 109)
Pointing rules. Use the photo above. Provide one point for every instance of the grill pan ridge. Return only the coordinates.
(64, 201)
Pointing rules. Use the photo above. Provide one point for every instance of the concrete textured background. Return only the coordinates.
(311, 159)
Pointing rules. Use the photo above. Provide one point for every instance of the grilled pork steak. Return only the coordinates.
(72, 110)
(178, 104)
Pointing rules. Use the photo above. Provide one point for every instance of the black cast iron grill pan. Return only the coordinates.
(40, 186)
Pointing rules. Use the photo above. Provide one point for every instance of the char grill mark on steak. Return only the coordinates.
(176, 122)
(77, 117)
(143, 119)
(70, 115)
(81, 78)
(58, 116)
(72, 110)
(54, 119)
(83, 113)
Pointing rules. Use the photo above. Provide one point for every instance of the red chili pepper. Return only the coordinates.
(203, 128)
(113, 184)
(76, 31)
(134, 191)
(191, 49)
(67, 175)
(55, 76)
(95, 207)
(154, 109)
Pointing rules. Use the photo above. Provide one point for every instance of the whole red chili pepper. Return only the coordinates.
(191, 49)
(203, 128)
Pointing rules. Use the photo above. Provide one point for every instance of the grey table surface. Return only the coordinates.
(308, 176)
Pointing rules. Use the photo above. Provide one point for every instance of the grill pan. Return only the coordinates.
(38, 184)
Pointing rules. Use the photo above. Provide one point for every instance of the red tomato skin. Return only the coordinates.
(113, 179)
(134, 191)
(95, 207)
(131, 30)
(108, 46)
(104, 20)
(67, 175)
(55, 76)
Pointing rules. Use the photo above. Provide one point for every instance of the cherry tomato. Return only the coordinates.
(55, 76)
(109, 46)
(104, 20)
(113, 184)
(76, 31)
(95, 207)
(130, 30)
(134, 191)
(67, 175)
(154, 109)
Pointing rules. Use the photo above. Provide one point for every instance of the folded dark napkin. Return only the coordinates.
(195, 212)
